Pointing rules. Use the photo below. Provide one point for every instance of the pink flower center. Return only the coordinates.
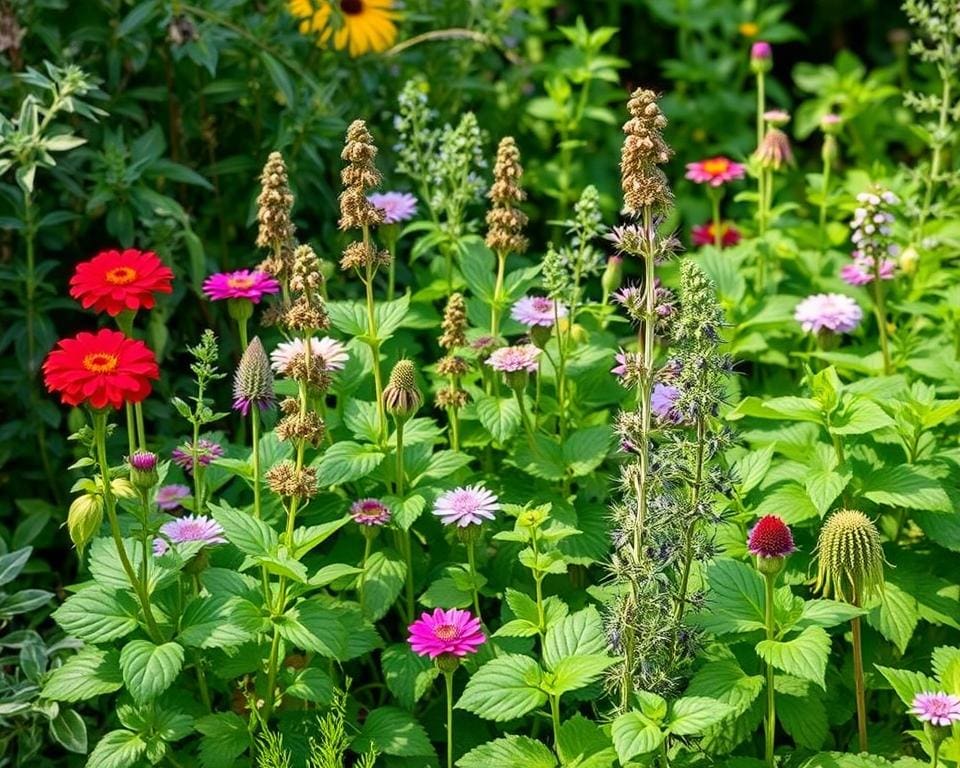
(716, 166)
(100, 362)
(445, 632)
(120, 275)
(241, 283)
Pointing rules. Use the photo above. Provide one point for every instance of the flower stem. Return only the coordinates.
(448, 679)
(858, 681)
(498, 294)
(141, 428)
(825, 191)
(255, 430)
(770, 723)
(367, 548)
(100, 439)
(373, 341)
(555, 718)
(715, 197)
(880, 308)
(242, 330)
(472, 560)
(407, 540)
(131, 428)
(525, 418)
(761, 104)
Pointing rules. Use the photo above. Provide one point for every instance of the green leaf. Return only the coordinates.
(906, 486)
(477, 265)
(98, 615)
(804, 655)
(500, 416)
(581, 744)
(585, 449)
(149, 669)
(826, 613)
(503, 689)
(512, 751)
(859, 416)
(804, 718)
(282, 564)
(907, 684)
(311, 684)
(89, 673)
(12, 563)
(580, 633)
(219, 622)
(789, 501)
(313, 627)
(408, 676)
(633, 734)
(346, 461)
(390, 315)
(305, 539)
(896, 616)
(786, 408)
(382, 583)
(69, 730)
(575, 672)
(117, 749)
(752, 468)
(692, 715)
(393, 731)
(725, 681)
(735, 599)
(225, 738)
(249, 535)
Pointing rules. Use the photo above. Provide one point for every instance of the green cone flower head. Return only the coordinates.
(850, 557)
(401, 397)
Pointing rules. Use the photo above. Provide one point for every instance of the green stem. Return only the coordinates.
(242, 331)
(555, 718)
(525, 417)
(255, 430)
(935, 161)
(448, 679)
(367, 548)
(715, 197)
(407, 539)
(770, 723)
(472, 560)
(880, 309)
(198, 662)
(859, 686)
(100, 439)
(141, 428)
(30, 234)
(373, 341)
(761, 104)
(131, 428)
(825, 191)
(691, 528)
(498, 294)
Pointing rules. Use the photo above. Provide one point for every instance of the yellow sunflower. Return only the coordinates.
(357, 25)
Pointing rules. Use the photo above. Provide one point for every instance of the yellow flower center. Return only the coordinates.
(121, 275)
(240, 282)
(717, 165)
(749, 29)
(352, 7)
(445, 632)
(100, 362)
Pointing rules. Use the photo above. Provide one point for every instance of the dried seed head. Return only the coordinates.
(304, 316)
(359, 176)
(451, 397)
(284, 479)
(505, 222)
(308, 427)
(454, 323)
(850, 557)
(274, 204)
(452, 365)
(253, 381)
(644, 150)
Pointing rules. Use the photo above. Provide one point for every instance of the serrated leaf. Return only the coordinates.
(804, 655)
(725, 681)
(826, 613)
(117, 749)
(251, 536)
(582, 744)
(98, 615)
(408, 676)
(575, 672)
(512, 751)
(500, 416)
(896, 616)
(805, 719)
(907, 486)
(503, 689)
(219, 622)
(633, 734)
(735, 600)
(393, 731)
(313, 627)
(311, 684)
(692, 715)
(580, 633)
(89, 673)
(225, 737)
(346, 461)
(585, 449)
(149, 669)
(382, 583)
(907, 684)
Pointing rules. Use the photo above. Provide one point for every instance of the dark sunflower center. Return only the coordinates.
(352, 7)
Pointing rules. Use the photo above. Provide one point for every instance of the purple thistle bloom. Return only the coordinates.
(468, 505)
(537, 311)
(206, 452)
(939, 708)
(142, 461)
(663, 402)
(861, 270)
(770, 537)
(396, 206)
(370, 512)
(185, 529)
(242, 284)
(832, 312)
(168, 497)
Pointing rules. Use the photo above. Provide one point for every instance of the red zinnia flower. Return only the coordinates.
(770, 537)
(100, 369)
(114, 281)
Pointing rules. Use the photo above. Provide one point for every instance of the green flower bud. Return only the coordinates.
(850, 557)
(401, 397)
(84, 519)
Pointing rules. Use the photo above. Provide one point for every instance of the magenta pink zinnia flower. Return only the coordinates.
(939, 708)
(522, 357)
(715, 171)
(770, 537)
(206, 451)
(185, 529)
(453, 632)
(371, 512)
(468, 505)
(396, 206)
(242, 284)
(832, 312)
(537, 310)
(168, 497)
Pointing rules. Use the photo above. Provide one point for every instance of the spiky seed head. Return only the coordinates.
(253, 382)
(401, 397)
(849, 557)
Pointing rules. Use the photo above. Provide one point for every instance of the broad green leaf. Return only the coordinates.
(281, 564)
(752, 468)
(580, 633)
(512, 751)
(781, 408)
(11, 564)
(345, 461)
(692, 715)
(89, 673)
(585, 449)
(390, 315)
(249, 535)
(907, 486)
(503, 689)
(725, 681)
(789, 501)
(896, 616)
(804, 718)
(500, 416)
(633, 734)
(312, 627)
(311, 684)
(826, 613)
(804, 655)
(69, 730)
(907, 684)
(859, 416)
(393, 731)
(382, 583)
(575, 672)
(305, 539)
(98, 615)
(945, 658)
(735, 600)
(225, 737)
(219, 622)
(149, 669)
(408, 676)
(582, 744)
(117, 749)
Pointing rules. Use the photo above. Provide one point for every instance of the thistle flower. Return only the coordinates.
(761, 57)
(770, 538)
(537, 311)
(522, 357)
(187, 529)
(644, 150)
(274, 204)
(169, 497)
(715, 171)
(397, 207)
(454, 324)
(370, 512)
(505, 222)
(850, 557)
(828, 313)
(663, 403)
(143, 469)
(774, 151)
(401, 397)
(467, 505)
(358, 176)
(253, 381)
(205, 451)
(940, 709)
(453, 632)
(325, 353)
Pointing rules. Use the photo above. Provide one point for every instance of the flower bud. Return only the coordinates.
(849, 558)
(613, 275)
(143, 470)
(84, 519)
(401, 397)
(909, 260)
(240, 310)
(830, 123)
(447, 663)
(761, 57)
(540, 335)
(830, 149)
(123, 488)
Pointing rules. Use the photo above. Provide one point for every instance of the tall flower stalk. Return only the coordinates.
(453, 397)
(505, 221)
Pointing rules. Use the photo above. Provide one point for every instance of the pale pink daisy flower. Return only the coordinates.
(777, 116)
(832, 312)
(242, 284)
(186, 529)
(467, 505)
(861, 270)
(329, 351)
(396, 206)
(168, 497)
(939, 708)
(537, 310)
(715, 171)
(454, 632)
(522, 357)
(370, 512)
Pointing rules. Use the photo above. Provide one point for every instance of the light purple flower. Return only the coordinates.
(396, 206)
(330, 352)
(468, 505)
(206, 452)
(142, 461)
(537, 310)
(522, 357)
(242, 284)
(939, 708)
(185, 529)
(663, 401)
(861, 270)
(168, 497)
(832, 312)
(370, 512)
